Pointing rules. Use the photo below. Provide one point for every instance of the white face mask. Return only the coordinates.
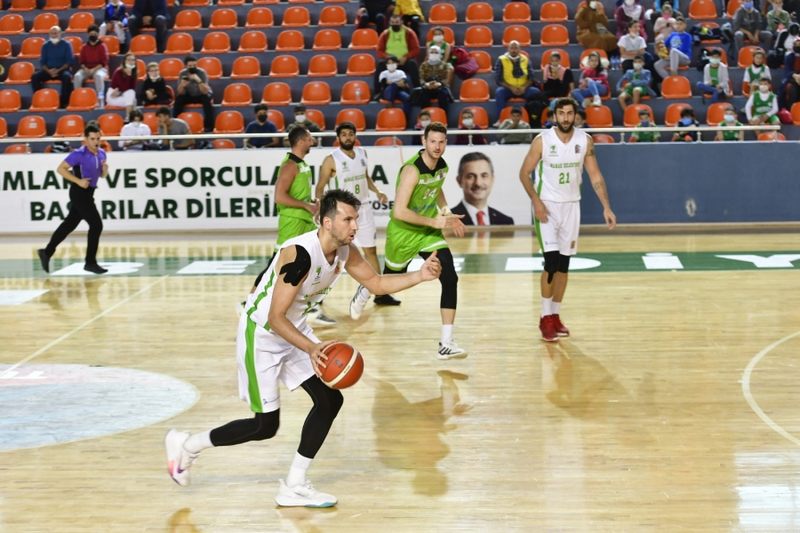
(300, 118)
(438, 38)
(467, 122)
(130, 65)
(434, 59)
(763, 90)
(391, 67)
(592, 5)
(730, 118)
(714, 61)
(424, 123)
(153, 75)
(55, 40)
(638, 66)
(630, 2)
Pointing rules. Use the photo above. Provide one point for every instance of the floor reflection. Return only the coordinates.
(181, 522)
(409, 434)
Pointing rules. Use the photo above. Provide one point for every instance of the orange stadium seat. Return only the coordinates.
(5, 47)
(11, 101)
(771, 136)
(479, 13)
(443, 13)
(484, 61)
(258, 2)
(746, 55)
(188, 19)
(364, 39)
(284, 66)
(194, 121)
(631, 117)
(317, 117)
(31, 126)
(516, 12)
(215, 42)
(223, 19)
(296, 16)
(223, 144)
(69, 126)
(673, 113)
(361, 65)
(546, 57)
(276, 117)
(182, 43)
(143, 44)
(479, 115)
(253, 41)
(19, 72)
(290, 41)
(246, 67)
(388, 141)
(437, 114)
(390, 119)
(506, 113)
(733, 7)
(57, 5)
(170, 68)
(91, 4)
(702, 9)
(22, 5)
(517, 33)
(110, 123)
(555, 35)
(322, 65)
(553, 11)
(599, 116)
(478, 37)
(79, 22)
(333, 16)
(31, 48)
(75, 42)
(474, 90)
(316, 93)
(603, 138)
(231, 3)
(674, 87)
(43, 22)
(3, 128)
(716, 112)
(17, 149)
(44, 100)
(449, 35)
(709, 25)
(82, 99)
(327, 39)
(277, 93)
(12, 24)
(149, 118)
(260, 17)
(229, 122)
(195, 3)
(212, 66)
(796, 113)
(355, 92)
(354, 115)
(112, 44)
(237, 95)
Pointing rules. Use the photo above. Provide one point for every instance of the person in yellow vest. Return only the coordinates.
(401, 42)
(514, 77)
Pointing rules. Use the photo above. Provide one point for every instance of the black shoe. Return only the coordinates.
(94, 268)
(386, 299)
(44, 259)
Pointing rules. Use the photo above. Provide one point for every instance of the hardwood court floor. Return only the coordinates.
(638, 422)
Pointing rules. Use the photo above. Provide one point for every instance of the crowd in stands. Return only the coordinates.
(650, 44)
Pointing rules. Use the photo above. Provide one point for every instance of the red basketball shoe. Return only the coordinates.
(547, 325)
(561, 329)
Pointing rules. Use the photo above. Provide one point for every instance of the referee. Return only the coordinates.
(82, 168)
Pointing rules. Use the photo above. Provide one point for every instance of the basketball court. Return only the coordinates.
(673, 406)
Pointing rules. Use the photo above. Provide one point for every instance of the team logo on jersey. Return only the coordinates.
(344, 165)
(577, 149)
(317, 275)
(553, 149)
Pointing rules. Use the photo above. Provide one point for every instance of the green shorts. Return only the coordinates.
(290, 227)
(628, 89)
(402, 245)
(773, 120)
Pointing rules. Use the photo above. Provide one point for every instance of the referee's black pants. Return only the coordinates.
(81, 207)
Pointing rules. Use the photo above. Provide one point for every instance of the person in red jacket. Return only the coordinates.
(401, 42)
(93, 62)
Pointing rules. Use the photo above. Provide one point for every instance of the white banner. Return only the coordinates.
(234, 189)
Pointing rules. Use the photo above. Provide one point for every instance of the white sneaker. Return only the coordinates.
(597, 101)
(450, 350)
(178, 459)
(317, 317)
(358, 302)
(304, 495)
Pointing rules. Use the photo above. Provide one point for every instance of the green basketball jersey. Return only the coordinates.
(762, 106)
(425, 195)
(730, 135)
(300, 189)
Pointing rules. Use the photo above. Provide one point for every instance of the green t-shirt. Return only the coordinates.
(730, 135)
(425, 196)
(300, 189)
(762, 106)
(643, 135)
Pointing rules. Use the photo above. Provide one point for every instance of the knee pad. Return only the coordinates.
(266, 425)
(563, 263)
(551, 264)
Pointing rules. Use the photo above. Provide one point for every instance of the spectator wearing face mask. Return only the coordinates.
(688, 121)
(790, 86)
(55, 62)
(679, 46)
(762, 106)
(153, 89)
(116, 21)
(402, 43)
(756, 70)
(375, 12)
(261, 124)
(635, 83)
(514, 77)
(93, 62)
(468, 123)
(394, 85)
(193, 88)
(630, 12)
(644, 130)
(122, 92)
(747, 23)
(729, 120)
(437, 40)
(134, 128)
(715, 78)
(777, 17)
(436, 78)
(301, 119)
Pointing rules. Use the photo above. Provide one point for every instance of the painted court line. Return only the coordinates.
(67, 335)
(748, 396)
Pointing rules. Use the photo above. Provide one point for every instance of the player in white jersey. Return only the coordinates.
(347, 167)
(276, 345)
(559, 156)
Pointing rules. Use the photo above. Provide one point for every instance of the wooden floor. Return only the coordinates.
(646, 419)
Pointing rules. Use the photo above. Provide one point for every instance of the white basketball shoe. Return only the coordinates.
(450, 350)
(178, 459)
(304, 495)
(358, 302)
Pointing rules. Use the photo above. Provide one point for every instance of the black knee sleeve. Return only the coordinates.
(327, 403)
(261, 427)
(563, 263)
(448, 278)
(551, 265)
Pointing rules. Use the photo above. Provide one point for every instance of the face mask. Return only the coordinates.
(424, 123)
(192, 70)
(93, 39)
(685, 121)
(153, 76)
(748, 5)
(434, 59)
(467, 122)
(714, 61)
(438, 38)
(638, 66)
(763, 89)
(131, 65)
(730, 118)
(391, 67)
(630, 2)
(592, 5)
(55, 40)
(645, 122)
(262, 117)
(396, 27)
(300, 118)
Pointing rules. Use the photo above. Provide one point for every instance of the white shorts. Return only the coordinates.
(560, 232)
(263, 360)
(366, 234)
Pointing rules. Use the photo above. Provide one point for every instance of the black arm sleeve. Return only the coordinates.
(297, 270)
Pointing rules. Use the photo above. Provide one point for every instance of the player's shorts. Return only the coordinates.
(560, 232)
(366, 234)
(403, 245)
(264, 361)
(290, 227)
(628, 89)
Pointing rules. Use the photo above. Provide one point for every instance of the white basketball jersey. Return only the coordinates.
(351, 174)
(560, 171)
(321, 277)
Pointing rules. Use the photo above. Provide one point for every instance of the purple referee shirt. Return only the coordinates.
(87, 165)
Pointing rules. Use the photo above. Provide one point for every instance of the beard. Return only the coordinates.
(347, 146)
(565, 128)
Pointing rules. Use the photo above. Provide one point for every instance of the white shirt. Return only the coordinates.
(351, 174)
(631, 43)
(134, 129)
(472, 211)
(392, 77)
(561, 168)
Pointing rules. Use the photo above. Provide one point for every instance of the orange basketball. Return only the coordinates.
(344, 366)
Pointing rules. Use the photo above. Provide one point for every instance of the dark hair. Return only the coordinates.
(163, 110)
(644, 111)
(434, 126)
(91, 28)
(716, 52)
(297, 133)
(261, 107)
(134, 114)
(424, 112)
(471, 157)
(187, 59)
(91, 127)
(581, 113)
(299, 108)
(639, 58)
(516, 109)
(345, 126)
(564, 102)
(327, 207)
(556, 54)
(392, 58)
(687, 112)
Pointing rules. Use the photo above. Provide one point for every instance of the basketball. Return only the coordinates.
(344, 366)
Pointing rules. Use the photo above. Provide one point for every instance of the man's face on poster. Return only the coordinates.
(476, 179)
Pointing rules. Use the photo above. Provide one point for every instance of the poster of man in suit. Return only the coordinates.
(476, 178)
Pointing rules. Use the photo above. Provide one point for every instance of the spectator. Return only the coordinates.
(515, 122)
(643, 133)
(593, 31)
(122, 92)
(631, 45)
(635, 83)
(135, 128)
(747, 24)
(169, 125)
(715, 78)
(784, 42)
(664, 24)
(150, 14)
(402, 43)
(56, 60)
(593, 82)
(300, 119)
(116, 21)
(436, 78)
(468, 123)
(688, 121)
(661, 6)
(757, 70)
(762, 106)
(558, 81)
(513, 74)
(153, 90)
(411, 13)
(437, 40)
(261, 124)
(778, 18)
(376, 12)
(729, 120)
(394, 85)
(679, 46)
(580, 118)
(628, 13)
(193, 88)
(93, 63)
(790, 85)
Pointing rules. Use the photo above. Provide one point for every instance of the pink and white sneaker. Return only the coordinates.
(178, 459)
